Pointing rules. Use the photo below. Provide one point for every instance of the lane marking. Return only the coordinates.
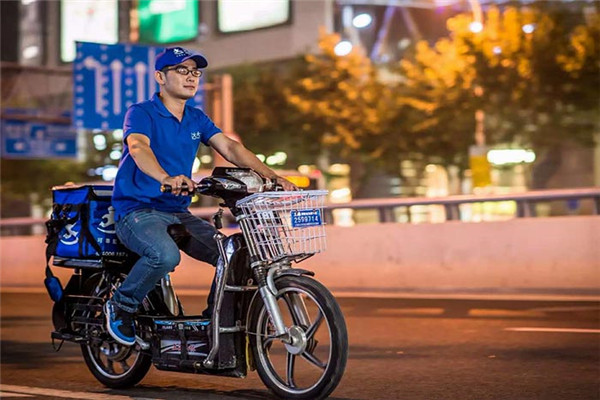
(567, 309)
(65, 394)
(557, 330)
(500, 313)
(409, 311)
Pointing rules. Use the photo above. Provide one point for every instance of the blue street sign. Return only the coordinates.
(25, 139)
(108, 78)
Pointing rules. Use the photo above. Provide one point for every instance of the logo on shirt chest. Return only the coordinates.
(195, 135)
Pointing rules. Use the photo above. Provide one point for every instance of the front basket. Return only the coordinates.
(284, 224)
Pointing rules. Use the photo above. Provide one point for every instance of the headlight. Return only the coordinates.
(251, 179)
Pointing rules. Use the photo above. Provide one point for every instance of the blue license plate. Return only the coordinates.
(304, 218)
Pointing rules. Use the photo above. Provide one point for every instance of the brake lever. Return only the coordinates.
(272, 185)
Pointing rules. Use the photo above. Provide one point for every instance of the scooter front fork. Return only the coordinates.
(268, 292)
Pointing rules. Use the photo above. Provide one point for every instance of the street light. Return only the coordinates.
(528, 28)
(343, 48)
(362, 20)
(475, 26)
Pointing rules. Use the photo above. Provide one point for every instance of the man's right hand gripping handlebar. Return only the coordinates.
(179, 185)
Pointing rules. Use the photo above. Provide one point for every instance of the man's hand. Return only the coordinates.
(287, 185)
(177, 184)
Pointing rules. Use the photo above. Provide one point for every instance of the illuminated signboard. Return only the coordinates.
(87, 21)
(237, 16)
(167, 21)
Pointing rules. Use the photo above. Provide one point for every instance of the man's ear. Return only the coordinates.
(159, 77)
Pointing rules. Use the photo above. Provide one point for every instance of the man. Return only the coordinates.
(161, 138)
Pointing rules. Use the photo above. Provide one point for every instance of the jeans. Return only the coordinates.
(145, 233)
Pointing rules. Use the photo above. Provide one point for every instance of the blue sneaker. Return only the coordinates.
(119, 324)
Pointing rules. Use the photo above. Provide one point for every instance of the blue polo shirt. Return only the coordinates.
(174, 144)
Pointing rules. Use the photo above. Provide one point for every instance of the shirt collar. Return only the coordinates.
(160, 107)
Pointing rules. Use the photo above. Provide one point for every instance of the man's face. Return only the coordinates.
(178, 85)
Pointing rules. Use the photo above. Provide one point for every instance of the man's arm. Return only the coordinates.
(139, 148)
(236, 153)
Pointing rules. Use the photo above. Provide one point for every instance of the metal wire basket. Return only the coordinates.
(280, 225)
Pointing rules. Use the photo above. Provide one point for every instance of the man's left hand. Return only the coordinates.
(287, 185)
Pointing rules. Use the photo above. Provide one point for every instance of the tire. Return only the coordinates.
(102, 365)
(318, 362)
(112, 364)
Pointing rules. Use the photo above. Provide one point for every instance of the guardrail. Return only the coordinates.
(390, 209)
(526, 203)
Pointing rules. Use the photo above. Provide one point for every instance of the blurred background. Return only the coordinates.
(458, 140)
(365, 98)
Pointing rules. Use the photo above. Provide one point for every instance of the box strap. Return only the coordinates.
(86, 232)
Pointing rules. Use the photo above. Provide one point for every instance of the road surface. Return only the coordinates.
(399, 349)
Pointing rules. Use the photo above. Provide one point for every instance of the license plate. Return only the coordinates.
(304, 218)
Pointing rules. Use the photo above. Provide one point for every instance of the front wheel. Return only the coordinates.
(312, 365)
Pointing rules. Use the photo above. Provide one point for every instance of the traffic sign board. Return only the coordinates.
(109, 78)
(26, 139)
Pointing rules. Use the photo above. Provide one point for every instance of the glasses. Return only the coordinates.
(184, 71)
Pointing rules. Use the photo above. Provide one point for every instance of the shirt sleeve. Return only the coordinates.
(137, 120)
(208, 128)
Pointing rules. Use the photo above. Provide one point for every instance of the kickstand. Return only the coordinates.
(57, 349)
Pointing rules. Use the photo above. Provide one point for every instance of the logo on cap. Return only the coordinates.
(179, 52)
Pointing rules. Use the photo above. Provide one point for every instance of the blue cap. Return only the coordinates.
(177, 55)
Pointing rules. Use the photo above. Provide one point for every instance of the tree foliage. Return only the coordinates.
(534, 73)
(349, 107)
(538, 86)
(264, 119)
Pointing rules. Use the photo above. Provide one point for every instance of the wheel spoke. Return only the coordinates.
(124, 365)
(110, 367)
(95, 350)
(267, 343)
(291, 360)
(310, 332)
(311, 358)
(98, 355)
(290, 305)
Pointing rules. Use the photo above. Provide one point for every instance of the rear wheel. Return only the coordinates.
(111, 363)
(312, 365)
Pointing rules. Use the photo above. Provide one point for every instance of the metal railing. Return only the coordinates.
(400, 209)
(526, 203)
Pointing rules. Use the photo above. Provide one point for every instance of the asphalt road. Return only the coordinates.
(399, 349)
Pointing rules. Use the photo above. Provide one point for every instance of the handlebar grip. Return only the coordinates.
(169, 189)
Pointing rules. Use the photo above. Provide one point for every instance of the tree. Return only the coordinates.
(265, 120)
(436, 101)
(349, 107)
(534, 72)
(544, 78)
